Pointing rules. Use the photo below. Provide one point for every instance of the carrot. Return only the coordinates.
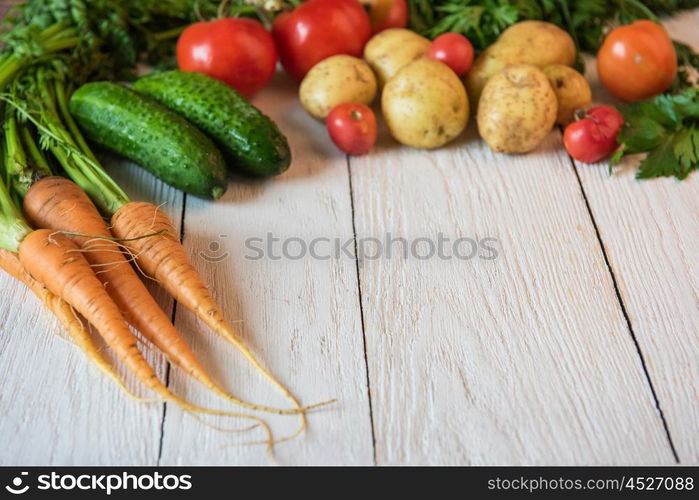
(58, 203)
(74, 325)
(163, 258)
(52, 259)
(77, 329)
(56, 263)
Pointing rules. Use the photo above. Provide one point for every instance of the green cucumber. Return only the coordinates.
(250, 141)
(150, 135)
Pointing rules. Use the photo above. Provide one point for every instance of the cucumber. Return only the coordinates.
(152, 136)
(250, 141)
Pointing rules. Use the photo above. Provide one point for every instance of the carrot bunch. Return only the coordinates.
(81, 262)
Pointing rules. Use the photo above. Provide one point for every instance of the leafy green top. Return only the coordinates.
(482, 21)
(667, 128)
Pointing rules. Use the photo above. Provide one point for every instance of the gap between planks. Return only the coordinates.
(627, 319)
(361, 309)
(168, 365)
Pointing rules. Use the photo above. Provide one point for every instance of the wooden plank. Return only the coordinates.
(55, 408)
(525, 359)
(650, 231)
(300, 316)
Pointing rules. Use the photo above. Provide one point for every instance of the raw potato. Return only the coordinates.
(572, 91)
(517, 109)
(334, 81)
(390, 50)
(425, 105)
(537, 43)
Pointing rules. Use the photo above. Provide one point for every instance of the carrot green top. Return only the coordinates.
(13, 227)
(41, 105)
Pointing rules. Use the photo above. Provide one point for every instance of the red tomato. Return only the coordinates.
(593, 138)
(385, 14)
(454, 50)
(240, 52)
(318, 29)
(637, 61)
(352, 127)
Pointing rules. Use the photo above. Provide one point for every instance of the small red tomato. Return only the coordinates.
(454, 50)
(385, 14)
(593, 137)
(318, 29)
(239, 52)
(352, 127)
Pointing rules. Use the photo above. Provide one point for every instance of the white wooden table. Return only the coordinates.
(578, 344)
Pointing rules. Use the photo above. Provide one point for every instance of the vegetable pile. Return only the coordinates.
(54, 192)
(515, 65)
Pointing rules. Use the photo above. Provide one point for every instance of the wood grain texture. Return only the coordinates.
(55, 407)
(650, 231)
(300, 316)
(525, 359)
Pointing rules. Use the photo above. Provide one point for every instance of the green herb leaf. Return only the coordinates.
(660, 162)
(667, 128)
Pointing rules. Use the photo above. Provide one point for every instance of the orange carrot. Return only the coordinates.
(163, 258)
(74, 325)
(58, 203)
(52, 259)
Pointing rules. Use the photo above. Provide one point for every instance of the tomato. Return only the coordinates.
(318, 29)
(454, 50)
(385, 14)
(240, 52)
(352, 127)
(637, 61)
(593, 137)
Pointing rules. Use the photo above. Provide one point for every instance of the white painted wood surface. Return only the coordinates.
(300, 316)
(526, 359)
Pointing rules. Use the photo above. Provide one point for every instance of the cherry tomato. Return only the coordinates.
(385, 14)
(352, 127)
(318, 29)
(637, 61)
(454, 50)
(593, 137)
(239, 52)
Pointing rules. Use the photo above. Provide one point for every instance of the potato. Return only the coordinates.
(390, 50)
(484, 67)
(425, 104)
(537, 43)
(517, 109)
(334, 81)
(572, 91)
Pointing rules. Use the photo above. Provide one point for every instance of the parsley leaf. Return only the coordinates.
(667, 128)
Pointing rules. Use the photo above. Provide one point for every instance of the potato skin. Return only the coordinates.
(537, 43)
(571, 89)
(334, 81)
(388, 51)
(517, 109)
(425, 105)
